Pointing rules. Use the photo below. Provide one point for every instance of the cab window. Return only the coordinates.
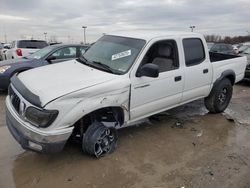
(194, 51)
(164, 54)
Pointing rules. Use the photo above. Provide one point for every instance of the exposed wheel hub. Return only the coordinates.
(104, 143)
(223, 96)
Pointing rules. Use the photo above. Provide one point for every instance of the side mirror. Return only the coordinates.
(50, 58)
(149, 70)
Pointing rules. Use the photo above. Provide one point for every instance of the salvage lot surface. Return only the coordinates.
(185, 147)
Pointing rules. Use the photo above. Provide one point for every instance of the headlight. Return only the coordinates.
(40, 118)
(3, 69)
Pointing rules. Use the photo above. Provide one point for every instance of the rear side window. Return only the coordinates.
(230, 47)
(194, 51)
(224, 48)
(31, 44)
(65, 53)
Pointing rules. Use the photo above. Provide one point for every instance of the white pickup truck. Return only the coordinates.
(121, 79)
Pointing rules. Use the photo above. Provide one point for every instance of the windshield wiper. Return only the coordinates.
(83, 60)
(104, 66)
(96, 64)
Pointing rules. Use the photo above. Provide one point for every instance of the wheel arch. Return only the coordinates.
(112, 114)
(229, 74)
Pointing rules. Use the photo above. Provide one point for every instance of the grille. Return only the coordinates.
(15, 100)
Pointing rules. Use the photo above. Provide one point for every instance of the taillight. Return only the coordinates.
(19, 52)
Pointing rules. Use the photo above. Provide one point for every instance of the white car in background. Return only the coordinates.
(3, 49)
(22, 48)
(236, 49)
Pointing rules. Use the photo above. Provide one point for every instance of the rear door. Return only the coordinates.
(198, 69)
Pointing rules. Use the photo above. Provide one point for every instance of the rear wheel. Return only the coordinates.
(220, 96)
(99, 140)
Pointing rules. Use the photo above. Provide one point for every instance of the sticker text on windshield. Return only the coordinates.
(121, 55)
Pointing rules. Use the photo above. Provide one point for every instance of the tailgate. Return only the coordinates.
(27, 52)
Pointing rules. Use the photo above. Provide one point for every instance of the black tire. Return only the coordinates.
(219, 97)
(99, 140)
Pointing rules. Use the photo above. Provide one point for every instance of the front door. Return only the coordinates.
(152, 95)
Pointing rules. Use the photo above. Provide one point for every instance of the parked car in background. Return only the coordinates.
(209, 45)
(243, 48)
(246, 43)
(222, 48)
(22, 48)
(236, 49)
(53, 43)
(1, 48)
(246, 53)
(48, 55)
(3, 51)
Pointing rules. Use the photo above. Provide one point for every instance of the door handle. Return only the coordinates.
(146, 85)
(205, 71)
(177, 78)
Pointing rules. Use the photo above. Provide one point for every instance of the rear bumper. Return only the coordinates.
(42, 142)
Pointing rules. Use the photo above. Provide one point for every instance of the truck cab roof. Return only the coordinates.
(149, 35)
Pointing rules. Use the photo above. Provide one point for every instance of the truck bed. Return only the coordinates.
(220, 57)
(222, 62)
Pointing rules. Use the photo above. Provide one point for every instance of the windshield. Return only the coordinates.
(244, 47)
(247, 51)
(116, 53)
(40, 53)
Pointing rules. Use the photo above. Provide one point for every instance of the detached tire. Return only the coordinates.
(99, 140)
(220, 96)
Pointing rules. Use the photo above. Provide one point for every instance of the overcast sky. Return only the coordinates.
(64, 19)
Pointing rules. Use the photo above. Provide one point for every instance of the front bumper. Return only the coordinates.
(32, 138)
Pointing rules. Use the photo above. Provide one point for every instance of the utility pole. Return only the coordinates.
(84, 34)
(192, 28)
(5, 38)
(247, 33)
(5, 35)
(45, 36)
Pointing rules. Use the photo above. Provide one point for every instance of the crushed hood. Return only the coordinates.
(54, 81)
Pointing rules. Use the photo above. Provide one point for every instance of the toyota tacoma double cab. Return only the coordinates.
(121, 79)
